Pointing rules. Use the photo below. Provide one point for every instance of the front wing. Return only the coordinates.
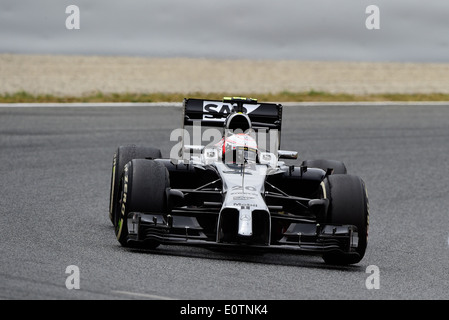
(183, 227)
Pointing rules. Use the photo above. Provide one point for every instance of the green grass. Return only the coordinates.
(284, 96)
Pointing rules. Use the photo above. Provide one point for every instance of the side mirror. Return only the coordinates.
(284, 154)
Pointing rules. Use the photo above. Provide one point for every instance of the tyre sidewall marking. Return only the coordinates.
(122, 219)
(367, 210)
(111, 204)
(323, 187)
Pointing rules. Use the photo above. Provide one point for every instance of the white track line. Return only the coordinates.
(142, 295)
(91, 105)
(368, 103)
(179, 104)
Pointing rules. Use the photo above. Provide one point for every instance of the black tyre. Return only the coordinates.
(143, 188)
(338, 166)
(122, 156)
(348, 206)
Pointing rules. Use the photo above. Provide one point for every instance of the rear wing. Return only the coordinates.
(199, 116)
(212, 113)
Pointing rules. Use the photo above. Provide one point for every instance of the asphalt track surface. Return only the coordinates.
(55, 178)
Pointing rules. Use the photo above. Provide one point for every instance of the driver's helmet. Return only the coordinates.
(239, 148)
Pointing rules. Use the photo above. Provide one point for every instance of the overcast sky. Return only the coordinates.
(410, 30)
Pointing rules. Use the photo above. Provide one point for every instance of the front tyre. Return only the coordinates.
(348, 206)
(143, 188)
(122, 156)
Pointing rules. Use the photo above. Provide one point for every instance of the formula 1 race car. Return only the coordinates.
(236, 190)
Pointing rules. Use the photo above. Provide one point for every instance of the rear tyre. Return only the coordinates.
(122, 156)
(348, 206)
(143, 188)
(338, 166)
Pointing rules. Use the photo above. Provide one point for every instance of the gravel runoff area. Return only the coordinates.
(79, 75)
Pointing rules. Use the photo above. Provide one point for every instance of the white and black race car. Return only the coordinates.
(236, 191)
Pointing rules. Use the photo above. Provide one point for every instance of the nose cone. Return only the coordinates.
(245, 222)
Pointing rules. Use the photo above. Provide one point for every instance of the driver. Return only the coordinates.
(237, 145)
(239, 148)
